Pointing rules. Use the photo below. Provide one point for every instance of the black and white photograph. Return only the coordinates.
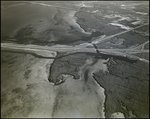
(75, 59)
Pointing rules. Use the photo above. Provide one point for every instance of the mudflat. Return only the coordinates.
(78, 59)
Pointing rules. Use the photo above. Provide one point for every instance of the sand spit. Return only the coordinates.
(122, 26)
(141, 13)
(71, 20)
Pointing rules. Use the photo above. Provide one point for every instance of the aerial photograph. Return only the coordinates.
(75, 59)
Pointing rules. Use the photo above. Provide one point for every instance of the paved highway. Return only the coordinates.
(72, 49)
(45, 50)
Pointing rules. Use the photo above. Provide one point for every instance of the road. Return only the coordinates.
(40, 50)
(104, 39)
(72, 49)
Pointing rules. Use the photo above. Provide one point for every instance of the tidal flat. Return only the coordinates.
(75, 59)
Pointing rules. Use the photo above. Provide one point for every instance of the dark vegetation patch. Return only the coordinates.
(66, 65)
(126, 85)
